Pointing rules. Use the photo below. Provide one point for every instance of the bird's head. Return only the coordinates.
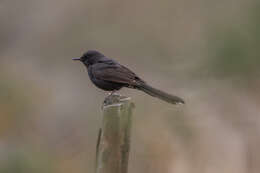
(90, 57)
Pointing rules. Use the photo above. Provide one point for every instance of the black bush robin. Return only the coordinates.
(109, 75)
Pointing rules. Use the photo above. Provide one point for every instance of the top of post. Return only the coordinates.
(115, 100)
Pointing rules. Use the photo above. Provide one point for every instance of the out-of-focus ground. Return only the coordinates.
(204, 51)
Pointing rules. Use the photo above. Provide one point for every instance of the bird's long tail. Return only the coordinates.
(160, 94)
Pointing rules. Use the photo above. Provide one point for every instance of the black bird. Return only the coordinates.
(109, 75)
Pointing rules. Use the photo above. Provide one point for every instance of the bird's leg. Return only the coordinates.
(109, 93)
(114, 92)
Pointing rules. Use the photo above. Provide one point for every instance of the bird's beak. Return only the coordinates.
(76, 59)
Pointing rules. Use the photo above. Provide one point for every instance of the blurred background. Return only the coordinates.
(206, 52)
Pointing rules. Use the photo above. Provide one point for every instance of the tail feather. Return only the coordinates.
(160, 94)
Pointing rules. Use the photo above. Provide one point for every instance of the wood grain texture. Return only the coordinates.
(113, 144)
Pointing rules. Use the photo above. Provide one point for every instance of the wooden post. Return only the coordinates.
(113, 143)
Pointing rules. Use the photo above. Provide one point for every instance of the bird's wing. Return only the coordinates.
(115, 73)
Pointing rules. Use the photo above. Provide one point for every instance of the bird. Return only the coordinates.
(107, 74)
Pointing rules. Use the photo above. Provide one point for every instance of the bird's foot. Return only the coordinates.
(113, 93)
(114, 98)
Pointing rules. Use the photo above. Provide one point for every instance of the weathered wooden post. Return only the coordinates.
(113, 143)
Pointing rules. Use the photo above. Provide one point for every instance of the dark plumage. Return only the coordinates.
(109, 75)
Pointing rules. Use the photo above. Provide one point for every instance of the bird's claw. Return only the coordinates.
(113, 93)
